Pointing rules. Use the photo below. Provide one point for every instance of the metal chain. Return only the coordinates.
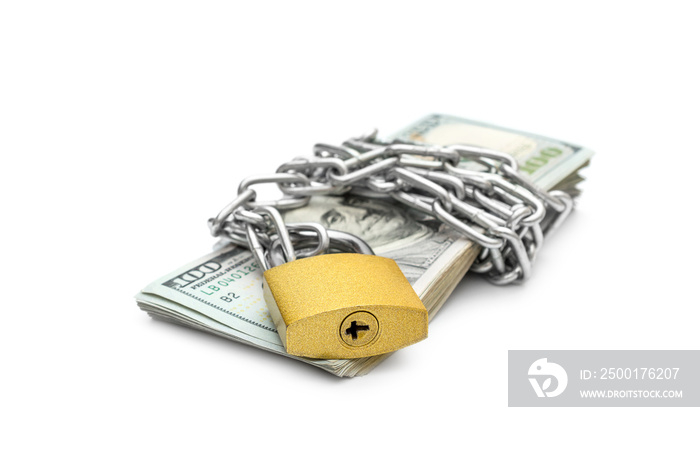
(494, 206)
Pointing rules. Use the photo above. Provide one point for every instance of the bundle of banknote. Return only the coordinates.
(221, 292)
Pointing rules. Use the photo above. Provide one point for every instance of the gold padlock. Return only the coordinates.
(343, 305)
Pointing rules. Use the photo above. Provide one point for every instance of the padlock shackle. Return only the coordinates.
(339, 242)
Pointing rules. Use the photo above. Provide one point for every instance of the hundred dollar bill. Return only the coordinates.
(222, 292)
(548, 162)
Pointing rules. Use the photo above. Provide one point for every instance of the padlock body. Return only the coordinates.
(342, 306)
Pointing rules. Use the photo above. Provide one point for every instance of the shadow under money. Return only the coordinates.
(247, 354)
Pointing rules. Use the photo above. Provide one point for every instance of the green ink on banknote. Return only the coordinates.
(541, 159)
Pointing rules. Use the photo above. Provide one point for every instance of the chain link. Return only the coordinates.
(494, 206)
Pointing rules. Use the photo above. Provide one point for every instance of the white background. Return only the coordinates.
(125, 125)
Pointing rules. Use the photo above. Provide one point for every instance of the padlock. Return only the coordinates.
(343, 306)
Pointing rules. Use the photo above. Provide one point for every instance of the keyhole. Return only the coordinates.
(354, 328)
(359, 329)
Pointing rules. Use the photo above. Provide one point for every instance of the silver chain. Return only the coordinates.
(494, 205)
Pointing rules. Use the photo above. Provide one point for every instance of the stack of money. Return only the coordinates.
(221, 292)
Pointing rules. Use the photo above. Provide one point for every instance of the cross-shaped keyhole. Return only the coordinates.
(354, 328)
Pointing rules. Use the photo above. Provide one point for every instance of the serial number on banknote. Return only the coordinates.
(210, 287)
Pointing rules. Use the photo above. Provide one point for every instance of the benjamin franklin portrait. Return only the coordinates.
(391, 229)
